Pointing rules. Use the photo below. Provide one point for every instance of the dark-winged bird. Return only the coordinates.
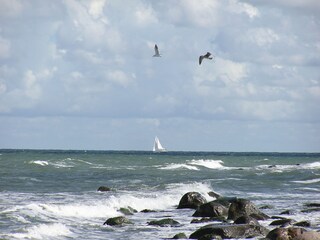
(156, 51)
(207, 55)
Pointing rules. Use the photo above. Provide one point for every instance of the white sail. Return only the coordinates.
(157, 147)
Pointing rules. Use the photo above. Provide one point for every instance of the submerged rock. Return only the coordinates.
(128, 211)
(104, 189)
(243, 207)
(191, 200)
(117, 221)
(164, 222)
(211, 209)
(229, 231)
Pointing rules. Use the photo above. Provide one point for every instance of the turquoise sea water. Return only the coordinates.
(52, 194)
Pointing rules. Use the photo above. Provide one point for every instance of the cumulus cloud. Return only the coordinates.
(94, 58)
(5, 46)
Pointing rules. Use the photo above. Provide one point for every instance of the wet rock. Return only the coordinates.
(292, 233)
(209, 219)
(311, 210)
(117, 221)
(148, 211)
(180, 236)
(211, 209)
(282, 222)
(246, 220)
(164, 222)
(191, 200)
(287, 212)
(226, 201)
(243, 207)
(312, 205)
(230, 231)
(303, 224)
(214, 195)
(104, 189)
(128, 211)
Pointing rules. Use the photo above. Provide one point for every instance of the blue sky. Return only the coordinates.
(80, 75)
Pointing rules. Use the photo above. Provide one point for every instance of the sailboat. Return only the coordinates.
(157, 147)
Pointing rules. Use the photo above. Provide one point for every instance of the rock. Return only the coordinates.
(303, 224)
(214, 195)
(148, 210)
(243, 207)
(208, 219)
(117, 221)
(311, 235)
(164, 222)
(191, 200)
(211, 209)
(230, 231)
(312, 205)
(246, 220)
(282, 222)
(104, 189)
(128, 211)
(287, 212)
(311, 210)
(292, 233)
(226, 201)
(180, 236)
(266, 207)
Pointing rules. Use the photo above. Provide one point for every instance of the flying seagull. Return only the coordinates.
(156, 51)
(207, 55)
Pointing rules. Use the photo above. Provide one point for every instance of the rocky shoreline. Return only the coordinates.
(229, 218)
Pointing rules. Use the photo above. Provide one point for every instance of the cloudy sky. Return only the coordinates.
(79, 74)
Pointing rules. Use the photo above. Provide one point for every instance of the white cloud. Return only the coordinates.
(145, 15)
(222, 74)
(262, 36)
(191, 12)
(96, 8)
(5, 47)
(119, 77)
(241, 7)
(10, 8)
(267, 110)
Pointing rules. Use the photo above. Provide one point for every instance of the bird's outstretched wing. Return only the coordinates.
(200, 59)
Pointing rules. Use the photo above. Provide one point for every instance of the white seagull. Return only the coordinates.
(207, 55)
(156, 51)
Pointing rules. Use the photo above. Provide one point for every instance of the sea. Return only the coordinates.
(52, 194)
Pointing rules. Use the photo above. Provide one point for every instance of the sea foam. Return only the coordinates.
(43, 231)
(208, 163)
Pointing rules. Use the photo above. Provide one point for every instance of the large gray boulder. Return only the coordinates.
(211, 209)
(243, 207)
(230, 231)
(191, 200)
(292, 233)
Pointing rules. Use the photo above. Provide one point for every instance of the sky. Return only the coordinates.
(79, 74)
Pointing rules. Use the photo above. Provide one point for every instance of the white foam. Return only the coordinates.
(281, 168)
(43, 231)
(40, 162)
(173, 166)
(104, 206)
(308, 181)
(208, 163)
